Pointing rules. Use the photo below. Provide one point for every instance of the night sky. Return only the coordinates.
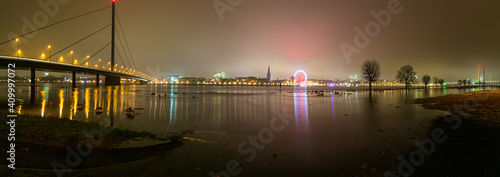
(447, 39)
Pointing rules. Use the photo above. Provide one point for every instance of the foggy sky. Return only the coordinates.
(447, 39)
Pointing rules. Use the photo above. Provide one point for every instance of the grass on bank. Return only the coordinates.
(482, 106)
(61, 131)
(473, 148)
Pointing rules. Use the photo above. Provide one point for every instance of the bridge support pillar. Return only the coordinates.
(97, 80)
(112, 80)
(33, 83)
(73, 80)
(143, 82)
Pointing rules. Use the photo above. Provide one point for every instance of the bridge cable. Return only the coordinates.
(80, 40)
(62, 21)
(96, 53)
(126, 42)
(119, 55)
(124, 51)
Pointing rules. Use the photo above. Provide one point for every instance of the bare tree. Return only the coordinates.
(441, 81)
(371, 71)
(406, 75)
(426, 79)
(435, 80)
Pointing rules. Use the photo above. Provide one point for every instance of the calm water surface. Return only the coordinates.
(324, 136)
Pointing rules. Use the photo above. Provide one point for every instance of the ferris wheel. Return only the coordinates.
(300, 77)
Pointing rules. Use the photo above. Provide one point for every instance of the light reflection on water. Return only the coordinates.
(326, 133)
(176, 108)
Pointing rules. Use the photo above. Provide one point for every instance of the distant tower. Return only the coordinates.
(268, 73)
(481, 74)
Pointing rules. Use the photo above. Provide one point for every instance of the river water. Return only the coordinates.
(298, 134)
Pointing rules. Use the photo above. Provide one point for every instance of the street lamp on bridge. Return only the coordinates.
(17, 44)
(50, 52)
(72, 55)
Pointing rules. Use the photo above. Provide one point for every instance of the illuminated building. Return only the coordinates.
(173, 78)
(481, 74)
(220, 75)
(268, 73)
(353, 78)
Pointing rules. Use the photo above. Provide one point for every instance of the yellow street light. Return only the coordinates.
(50, 52)
(61, 59)
(43, 56)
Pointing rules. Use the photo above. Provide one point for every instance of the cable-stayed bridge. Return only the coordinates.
(105, 70)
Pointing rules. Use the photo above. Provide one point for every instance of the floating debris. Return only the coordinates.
(79, 107)
(130, 113)
(98, 110)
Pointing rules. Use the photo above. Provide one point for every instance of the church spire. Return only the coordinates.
(268, 73)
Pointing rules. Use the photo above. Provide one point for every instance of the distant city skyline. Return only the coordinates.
(442, 39)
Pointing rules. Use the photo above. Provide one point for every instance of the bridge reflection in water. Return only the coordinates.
(172, 108)
(177, 108)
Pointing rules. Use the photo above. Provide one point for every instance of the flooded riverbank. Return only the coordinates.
(331, 135)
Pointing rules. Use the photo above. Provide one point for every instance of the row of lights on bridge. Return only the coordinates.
(61, 59)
